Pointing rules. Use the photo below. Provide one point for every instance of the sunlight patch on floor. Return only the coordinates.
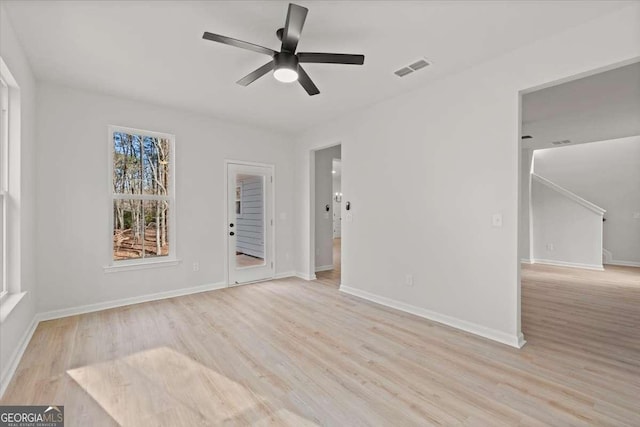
(184, 392)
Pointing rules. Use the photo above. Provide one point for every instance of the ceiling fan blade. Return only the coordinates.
(306, 82)
(238, 43)
(296, 16)
(255, 75)
(330, 58)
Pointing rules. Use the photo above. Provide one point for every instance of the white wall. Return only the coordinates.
(73, 243)
(324, 196)
(22, 204)
(564, 232)
(606, 173)
(447, 154)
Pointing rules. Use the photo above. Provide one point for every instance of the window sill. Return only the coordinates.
(141, 266)
(9, 302)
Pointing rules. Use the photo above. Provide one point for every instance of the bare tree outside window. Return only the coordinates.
(141, 196)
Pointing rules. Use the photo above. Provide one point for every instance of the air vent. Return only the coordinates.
(417, 65)
(403, 72)
(564, 141)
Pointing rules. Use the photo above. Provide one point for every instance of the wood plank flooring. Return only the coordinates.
(332, 277)
(290, 352)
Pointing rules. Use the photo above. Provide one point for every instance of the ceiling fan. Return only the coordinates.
(286, 63)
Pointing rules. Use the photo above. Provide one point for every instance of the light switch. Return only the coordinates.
(496, 220)
(349, 217)
(326, 215)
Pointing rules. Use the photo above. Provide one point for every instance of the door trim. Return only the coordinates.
(225, 225)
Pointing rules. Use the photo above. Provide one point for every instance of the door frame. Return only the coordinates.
(311, 275)
(225, 225)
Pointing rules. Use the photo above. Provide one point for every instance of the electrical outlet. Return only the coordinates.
(408, 279)
(196, 266)
(550, 247)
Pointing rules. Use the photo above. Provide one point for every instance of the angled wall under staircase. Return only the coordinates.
(567, 229)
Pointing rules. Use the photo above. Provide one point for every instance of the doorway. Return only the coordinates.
(328, 215)
(579, 240)
(250, 243)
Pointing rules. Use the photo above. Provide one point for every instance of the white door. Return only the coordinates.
(249, 223)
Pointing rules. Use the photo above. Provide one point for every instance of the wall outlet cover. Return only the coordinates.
(408, 279)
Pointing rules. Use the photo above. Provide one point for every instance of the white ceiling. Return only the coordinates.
(153, 50)
(596, 108)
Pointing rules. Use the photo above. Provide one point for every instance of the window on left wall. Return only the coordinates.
(4, 166)
(142, 197)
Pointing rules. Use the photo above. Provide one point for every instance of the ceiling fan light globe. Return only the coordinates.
(285, 75)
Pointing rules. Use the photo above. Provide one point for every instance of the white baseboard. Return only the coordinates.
(285, 275)
(324, 268)
(492, 334)
(569, 264)
(624, 263)
(14, 360)
(66, 312)
(521, 341)
(526, 260)
(306, 276)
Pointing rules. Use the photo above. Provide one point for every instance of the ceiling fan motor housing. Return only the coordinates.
(286, 60)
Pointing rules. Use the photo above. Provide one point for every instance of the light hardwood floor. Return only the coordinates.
(301, 353)
(332, 277)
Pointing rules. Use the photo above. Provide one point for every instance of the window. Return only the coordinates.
(4, 166)
(142, 193)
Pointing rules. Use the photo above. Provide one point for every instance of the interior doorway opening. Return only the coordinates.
(328, 208)
(579, 216)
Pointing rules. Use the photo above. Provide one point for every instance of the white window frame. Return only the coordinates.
(132, 264)
(4, 181)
